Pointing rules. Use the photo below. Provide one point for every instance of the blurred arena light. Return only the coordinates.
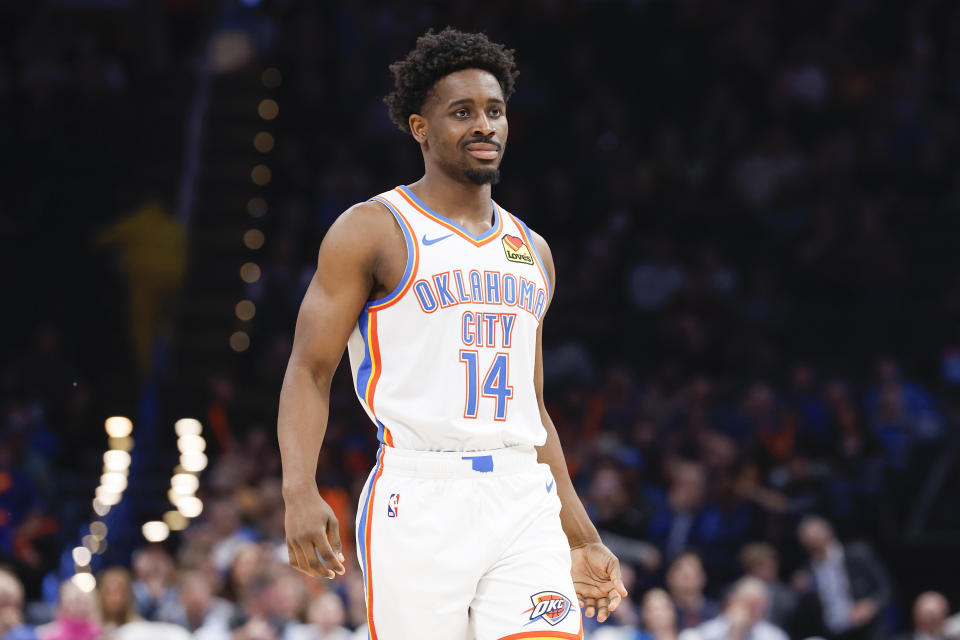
(190, 507)
(155, 531)
(268, 109)
(118, 426)
(100, 507)
(176, 520)
(123, 444)
(253, 239)
(92, 543)
(81, 556)
(98, 529)
(116, 460)
(114, 481)
(263, 142)
(185, 483)
(261, 175)
(245, 310)
(250, 272)
(84, 581)
(193, 462)
(191, 443)
(239, 341)
(187, 427)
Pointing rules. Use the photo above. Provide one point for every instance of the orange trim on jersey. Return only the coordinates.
(544, 635)
(393, 299)
(457, 229)
(367, 539)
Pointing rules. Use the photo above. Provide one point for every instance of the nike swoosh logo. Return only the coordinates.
(550, 486)
(431, 241)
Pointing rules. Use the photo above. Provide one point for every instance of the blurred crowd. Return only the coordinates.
(753, 356)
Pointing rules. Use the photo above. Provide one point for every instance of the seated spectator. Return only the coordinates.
(742, 617)
(76, 617)
(230, 533)
(205, 616)
(117, 606)
(930, 611)
(325, 619)
(11, 609)
(760, 561)
(850, 585)
(674, 524)
(153, 572)
(659, 620)
(685, 581)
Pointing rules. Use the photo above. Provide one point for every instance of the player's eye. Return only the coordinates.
(496, 112)
(461, 113)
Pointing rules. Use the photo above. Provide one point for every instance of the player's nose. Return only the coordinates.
(483, 127)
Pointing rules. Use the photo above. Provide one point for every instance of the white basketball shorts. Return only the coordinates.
(465, 546)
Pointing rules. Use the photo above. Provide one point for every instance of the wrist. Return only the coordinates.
(583, 542)
(298, 489)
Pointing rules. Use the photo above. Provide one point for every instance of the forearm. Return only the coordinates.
(301, 426)
(573, 517)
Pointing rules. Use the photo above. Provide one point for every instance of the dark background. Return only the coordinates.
(753, 208)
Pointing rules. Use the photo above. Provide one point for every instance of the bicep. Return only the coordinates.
(338, 291)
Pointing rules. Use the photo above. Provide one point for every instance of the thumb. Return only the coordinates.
(621, 588)
(333, 535)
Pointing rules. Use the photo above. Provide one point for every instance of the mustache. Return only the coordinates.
(489, 140)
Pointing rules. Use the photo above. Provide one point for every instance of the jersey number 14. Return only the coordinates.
(495, 384)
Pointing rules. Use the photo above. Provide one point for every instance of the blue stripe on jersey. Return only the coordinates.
(483, 236)
(366, 366)
(411, 252)
(362, 527)
(546, 276)
(380, 430)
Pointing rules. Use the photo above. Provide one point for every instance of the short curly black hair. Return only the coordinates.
(438, 55)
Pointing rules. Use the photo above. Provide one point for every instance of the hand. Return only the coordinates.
(862, 612)
(312, 527)
(596, 579)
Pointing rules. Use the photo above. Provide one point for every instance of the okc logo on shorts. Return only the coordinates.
(550, 606)
(393, 505)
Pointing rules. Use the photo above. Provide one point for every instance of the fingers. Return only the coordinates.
(297, 559)
(589, 607)
(603, 609)
(317, 567)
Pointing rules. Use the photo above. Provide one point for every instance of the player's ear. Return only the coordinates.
(418, 127)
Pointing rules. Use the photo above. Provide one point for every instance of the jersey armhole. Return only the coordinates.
(528, 239)
(413, 260)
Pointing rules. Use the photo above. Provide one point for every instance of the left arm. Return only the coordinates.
(595, 570)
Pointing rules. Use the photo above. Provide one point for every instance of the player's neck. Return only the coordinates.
(465, 203)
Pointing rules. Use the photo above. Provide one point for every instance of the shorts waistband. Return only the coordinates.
(460, 463)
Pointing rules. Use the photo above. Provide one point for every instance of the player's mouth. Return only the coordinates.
(484, 150)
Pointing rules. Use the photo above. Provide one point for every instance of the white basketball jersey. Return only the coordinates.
(445, 362)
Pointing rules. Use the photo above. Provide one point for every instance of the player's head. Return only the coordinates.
(450, 93)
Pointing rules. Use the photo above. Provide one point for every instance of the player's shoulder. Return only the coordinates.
(538, 240)
(365, 221)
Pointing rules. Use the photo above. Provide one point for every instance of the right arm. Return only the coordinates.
(346, 276)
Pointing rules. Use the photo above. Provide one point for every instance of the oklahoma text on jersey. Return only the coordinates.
(451, 288)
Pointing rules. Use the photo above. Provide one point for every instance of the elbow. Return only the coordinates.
(318, 373)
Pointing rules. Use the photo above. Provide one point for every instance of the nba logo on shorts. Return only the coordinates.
(549, 606)
(393, 505)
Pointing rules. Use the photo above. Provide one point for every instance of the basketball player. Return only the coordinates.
(469, 525)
